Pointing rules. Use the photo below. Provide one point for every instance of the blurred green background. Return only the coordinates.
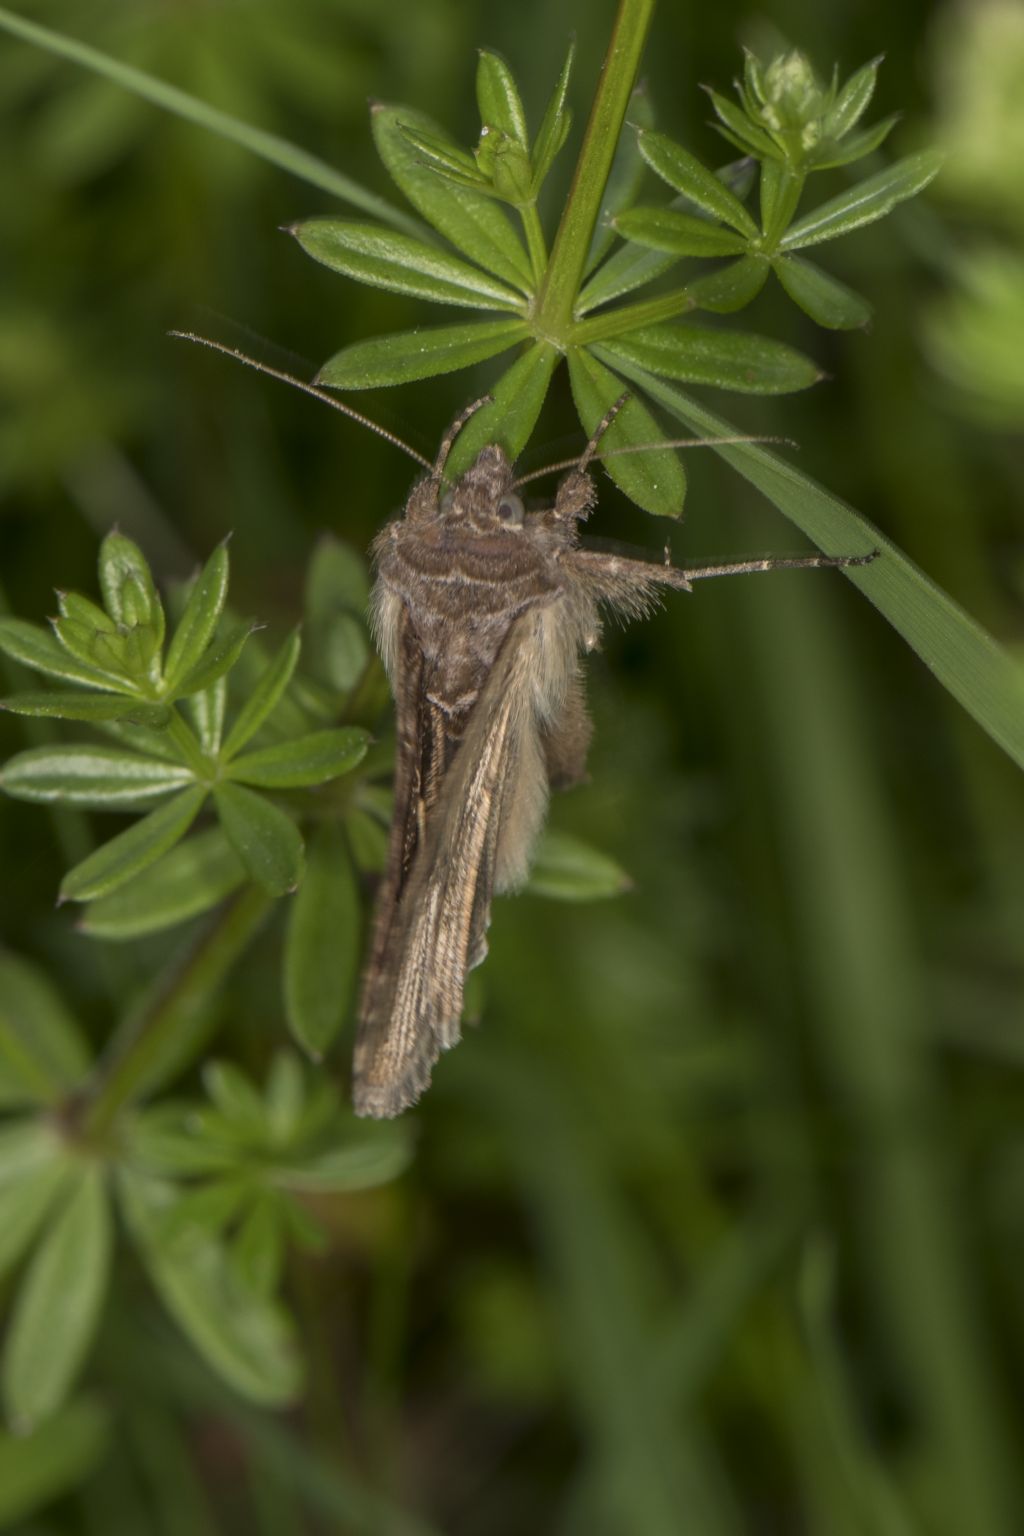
(715, 1225)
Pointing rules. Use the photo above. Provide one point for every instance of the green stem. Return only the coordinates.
(535, 242)
(184, 739)
(557, 297)
(164, 1026)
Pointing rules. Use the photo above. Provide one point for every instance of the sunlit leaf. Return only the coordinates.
(419, 354)
(404, 265)
(263, 699)
(86, 706)
(474, 223)
(498, 97)
(680, 234)
(199, 620)
(39, 649)
(130, 852)
(828, 301)
(218, 658)
(654, 480)
(264, 838)
(192, 878)
(306, 761)
(731, 287)
(727, 359)
(512, 414)
(869, 200)
(103, 777)
(701, 186)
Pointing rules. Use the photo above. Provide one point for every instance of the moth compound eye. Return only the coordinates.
(511, 511)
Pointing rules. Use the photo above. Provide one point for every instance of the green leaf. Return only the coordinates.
(852, 101)
(567, 869)
(198, 622)
(206, 710)
(285, 1098)
(730, 288)
(192, 878)
(42, 1052)
(248, 1341)
(58, 1304)
(555, 124)
(35, 647)
(322, 947)
(856, 147)
(739, 130)
(516, 401)
(361, 1159)
(701, 186)
(103, 777)
(264, 838)
(726, 359)
(126, 582)
(403, 265)
(419, 354)
(263, 699)
(498, 98)
(473, 222)
(308, 760)
(86, 706)
(869, 200)
(257, 1252)
(134, 850)
(654, 480)
(781, 188)
(978, 673)
(681, 234)
(236, 1098)
(215, 661)
(828, 301)
(36, 1166)
(104, 649)
(36, 1469)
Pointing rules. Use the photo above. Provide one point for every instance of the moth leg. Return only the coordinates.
(775, 563)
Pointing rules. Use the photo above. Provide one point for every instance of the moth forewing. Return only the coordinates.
(432, 927)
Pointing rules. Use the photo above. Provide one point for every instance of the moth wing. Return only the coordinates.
(435, 928)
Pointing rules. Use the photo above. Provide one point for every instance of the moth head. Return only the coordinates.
(483, 498)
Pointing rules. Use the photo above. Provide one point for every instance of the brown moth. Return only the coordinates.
(483, 613)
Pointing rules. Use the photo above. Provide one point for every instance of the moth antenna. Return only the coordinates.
(448, 441)
(307, 389)
(677, 442)
(590, 451)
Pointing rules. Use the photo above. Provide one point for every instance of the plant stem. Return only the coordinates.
(534, 239)
(165, 1023)
(184, 739)
(554, 313)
